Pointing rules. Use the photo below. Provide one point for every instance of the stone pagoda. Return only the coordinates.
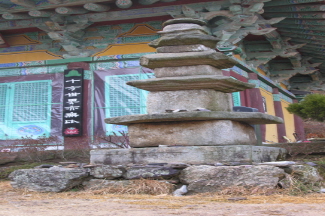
(190, 118)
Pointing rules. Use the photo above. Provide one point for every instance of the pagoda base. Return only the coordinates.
(196, 155)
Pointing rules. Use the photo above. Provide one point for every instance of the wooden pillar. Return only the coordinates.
(299, 126)
(256, 100)
(281, 129)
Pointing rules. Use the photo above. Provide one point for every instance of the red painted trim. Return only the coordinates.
(299, 126)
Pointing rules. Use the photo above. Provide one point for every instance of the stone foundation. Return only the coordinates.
(188, 155)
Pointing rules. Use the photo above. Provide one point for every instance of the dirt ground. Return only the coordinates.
(24, 203)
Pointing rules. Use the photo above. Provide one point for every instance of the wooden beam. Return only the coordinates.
(300, 21)
(288, 2)
(147, 2)
(304, 27)
(67, 10)
(24, 3)
(302, 32)
(36, 13)
(296, 8)
(315, 15)
(10, 16)
(56, 2)
(97, 7)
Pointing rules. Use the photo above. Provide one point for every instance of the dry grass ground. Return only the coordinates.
(20, 202)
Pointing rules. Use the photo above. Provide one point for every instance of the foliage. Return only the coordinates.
(314, 129)
(312, 106)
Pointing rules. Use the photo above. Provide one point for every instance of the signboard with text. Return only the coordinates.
(72, 102)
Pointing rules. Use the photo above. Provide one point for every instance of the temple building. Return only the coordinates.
(64, 63)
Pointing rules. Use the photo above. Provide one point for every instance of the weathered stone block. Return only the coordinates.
(187, 155)
(211, 179)
(106, 172)
(183, 48)
(153, 172)
(219, 83)
(191, 133)
(54, 179)
(158, 102)
(252, 118)
(211, 57)
(187, 71)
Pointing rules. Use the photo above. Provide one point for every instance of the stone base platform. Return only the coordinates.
(196, 155)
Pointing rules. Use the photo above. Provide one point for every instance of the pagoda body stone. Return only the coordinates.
(189, 79)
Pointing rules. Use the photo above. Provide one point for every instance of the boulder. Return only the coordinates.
(54, 179)
(155, 172)
(304, 173)
(214, 178)
(107, 172)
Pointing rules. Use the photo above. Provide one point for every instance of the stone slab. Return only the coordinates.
(187, 71)
(211, 57)
(219, 83)
(248, 117)
(187, 155)
(191, 133)
(159, 102)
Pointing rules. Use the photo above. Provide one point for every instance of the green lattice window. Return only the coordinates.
(25, 109)
(122, 99)
(236, 98)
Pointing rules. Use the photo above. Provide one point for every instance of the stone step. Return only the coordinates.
(247, 117)
(211, 57)
(187, 154)
(219, 83)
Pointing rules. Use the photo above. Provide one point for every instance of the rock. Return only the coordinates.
(211, 178)
(7, 157)
(322, 190)
(181, 191)
(278, 163)
(155, 172)
(311, 164)
(306, 174)
(286, 182)
(97, 184)
(107, 172)
(54, 179)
